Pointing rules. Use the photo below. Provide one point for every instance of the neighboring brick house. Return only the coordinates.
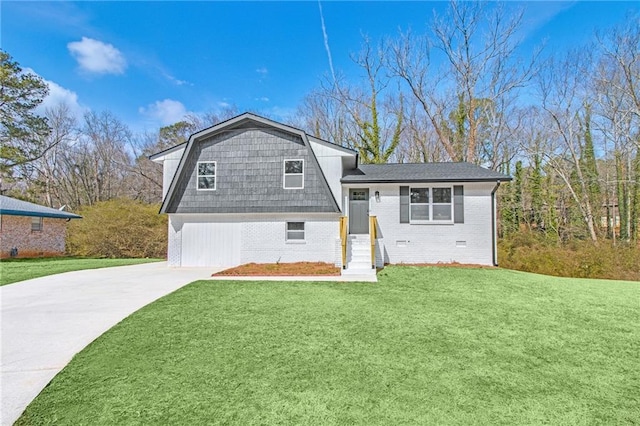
(254, 190)
(31, 230)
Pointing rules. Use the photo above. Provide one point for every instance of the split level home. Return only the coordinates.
(250, 189)
(31, 230)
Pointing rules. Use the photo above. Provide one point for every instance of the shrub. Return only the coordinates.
(120, 228)
(531, 252)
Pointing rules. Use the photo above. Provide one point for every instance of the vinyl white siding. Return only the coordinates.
(231, 240)
(331, 160)
(169, 166)
(470, 242)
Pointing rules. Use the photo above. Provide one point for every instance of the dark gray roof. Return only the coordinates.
(13, 207)
(422, 172)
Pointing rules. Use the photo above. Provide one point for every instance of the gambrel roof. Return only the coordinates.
(322, 199)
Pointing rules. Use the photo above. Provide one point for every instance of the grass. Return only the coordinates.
(423, 346)
(14, 270)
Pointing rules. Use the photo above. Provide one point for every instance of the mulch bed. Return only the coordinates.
(282, 269)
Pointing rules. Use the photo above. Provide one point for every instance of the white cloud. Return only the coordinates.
(165, 112)
(262, 70)
(97, 57)
(176, 81)
(58, 95)
(263, 99)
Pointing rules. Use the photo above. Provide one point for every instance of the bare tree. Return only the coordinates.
(617, 90)
(367, 117)
(563, 96)
(468, 100)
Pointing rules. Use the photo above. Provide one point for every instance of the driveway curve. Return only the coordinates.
(46, 321)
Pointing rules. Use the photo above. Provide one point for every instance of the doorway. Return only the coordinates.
(359, 211)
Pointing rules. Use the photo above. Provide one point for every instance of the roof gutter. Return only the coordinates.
(10, 212)
(494, 226)
(418, 180)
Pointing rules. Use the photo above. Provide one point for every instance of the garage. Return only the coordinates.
(210, 243)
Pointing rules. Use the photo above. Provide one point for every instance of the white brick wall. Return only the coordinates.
(434, 243)
(174, 249)
(263, 237)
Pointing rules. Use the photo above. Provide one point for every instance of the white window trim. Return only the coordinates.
(431, 221)
(293, 241)
(215, 176)
(285, 174)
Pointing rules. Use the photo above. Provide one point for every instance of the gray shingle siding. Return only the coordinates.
(249, 175)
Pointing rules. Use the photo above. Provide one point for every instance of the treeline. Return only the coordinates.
(565, 125)
(97, 159)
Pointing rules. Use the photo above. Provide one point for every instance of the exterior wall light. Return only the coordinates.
(377, 195)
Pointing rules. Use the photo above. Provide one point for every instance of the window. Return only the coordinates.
(430, 205)
(295, 231)
(441, 203)
(207, 175)
(293, 174)
(419, 205)
(36, 224)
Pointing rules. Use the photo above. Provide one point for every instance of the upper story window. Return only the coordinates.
(36, 224)
(207, 175)
(293, 174)
(428, 205)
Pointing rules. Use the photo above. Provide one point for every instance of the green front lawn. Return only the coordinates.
(14, 270)
(423, 346)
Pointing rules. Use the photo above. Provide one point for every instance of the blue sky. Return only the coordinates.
(150, 63)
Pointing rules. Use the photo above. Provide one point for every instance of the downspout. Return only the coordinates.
(494, 227)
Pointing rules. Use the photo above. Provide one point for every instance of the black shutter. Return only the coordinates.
(458, 204)
(404, 204)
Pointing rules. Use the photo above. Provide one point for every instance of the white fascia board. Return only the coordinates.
(340, 150)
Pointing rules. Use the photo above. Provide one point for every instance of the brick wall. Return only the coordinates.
(15, 231)
(258, 238)
(469, 242)
(264, 241)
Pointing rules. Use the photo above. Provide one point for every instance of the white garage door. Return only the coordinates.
(211, 244)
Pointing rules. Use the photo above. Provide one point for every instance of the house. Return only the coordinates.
(31, 230)
(253, 190)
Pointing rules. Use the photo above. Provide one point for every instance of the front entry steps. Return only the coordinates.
(359, 255)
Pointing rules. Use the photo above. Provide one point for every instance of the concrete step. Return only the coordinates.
(359, 240)
(359, 265)
(361, 258)
(359, 271)
(359, 255)
(360, 246)
(356, 255)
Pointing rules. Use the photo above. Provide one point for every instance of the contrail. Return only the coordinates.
(326, 42)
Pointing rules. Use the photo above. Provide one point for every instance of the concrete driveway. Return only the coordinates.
(46, 321)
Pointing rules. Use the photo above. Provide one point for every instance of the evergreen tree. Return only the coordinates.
(589, 166)
(535, 189)
(621, 191)
(22, 132)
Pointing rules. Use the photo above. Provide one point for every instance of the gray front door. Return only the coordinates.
(358, 211)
